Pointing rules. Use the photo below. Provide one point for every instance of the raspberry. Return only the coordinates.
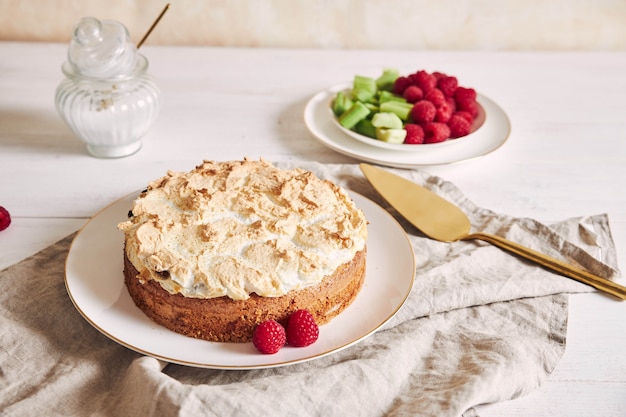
(436, 132)
(414, 134)
(5, 218)
(459, 126)
(424, 80)
(401, 84)
(439, 75)
(463, 95)
(436, 97)
(451, 103)
(444, 112)
(413, 94)
(423, 111)
(466, 115)
(302, 329)
(269, 337)
(470, 107)
(447, 85)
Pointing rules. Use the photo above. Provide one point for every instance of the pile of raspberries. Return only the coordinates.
(441, 108)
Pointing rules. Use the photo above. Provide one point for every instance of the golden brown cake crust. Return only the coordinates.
(223, 319)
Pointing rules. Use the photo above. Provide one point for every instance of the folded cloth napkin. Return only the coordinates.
(479, 326)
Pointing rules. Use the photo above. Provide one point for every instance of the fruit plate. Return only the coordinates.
(424, 147)
(322, 124)
(95, 284)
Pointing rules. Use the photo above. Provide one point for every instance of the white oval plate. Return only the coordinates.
(322, 124)
(424, 147)
(95, 283)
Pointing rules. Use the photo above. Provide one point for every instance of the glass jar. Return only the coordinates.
(110, 115)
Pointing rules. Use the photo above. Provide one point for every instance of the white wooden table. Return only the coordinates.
(566, 157)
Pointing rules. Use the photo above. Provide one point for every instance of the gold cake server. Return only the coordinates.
(441, 220)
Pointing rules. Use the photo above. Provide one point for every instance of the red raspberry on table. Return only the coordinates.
(436, 97)
(436, 132)
(413, 94)
(5, 218)
(459, 126)
(302, 329)
(269, 337)
(401, 84)
(423, 111)
(414, 134)
(447, 85)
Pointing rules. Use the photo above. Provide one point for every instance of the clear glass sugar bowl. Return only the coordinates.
(107, 97)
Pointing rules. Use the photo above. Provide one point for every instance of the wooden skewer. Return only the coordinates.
(167, 6)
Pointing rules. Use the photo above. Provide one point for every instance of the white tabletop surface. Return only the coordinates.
(565, 157)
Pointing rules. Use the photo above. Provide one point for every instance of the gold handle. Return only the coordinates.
(563, 268)
(167, 6)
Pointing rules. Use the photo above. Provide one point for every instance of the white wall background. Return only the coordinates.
(383, 24)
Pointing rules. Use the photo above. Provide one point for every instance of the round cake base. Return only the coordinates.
(223, 319)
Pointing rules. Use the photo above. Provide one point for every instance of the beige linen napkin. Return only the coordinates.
(479, 326)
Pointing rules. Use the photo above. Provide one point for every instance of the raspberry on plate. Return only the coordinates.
(302, 329)
(5, 218)
(424, 80)
(451, 103)
(436, 97)
(414, 134)
(401, 84)
(459, 126)
(413, 94)
(447, 85)
(444, 112)
(269, 337)
(439, 75)
(436, 132)
(423, 111)
(471, 107)
(466, 115)
(464, 95)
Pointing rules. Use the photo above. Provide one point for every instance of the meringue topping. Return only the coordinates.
(240, 227)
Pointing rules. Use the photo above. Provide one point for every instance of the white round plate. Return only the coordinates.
(424, 147)
(95, 283)
(492, 134)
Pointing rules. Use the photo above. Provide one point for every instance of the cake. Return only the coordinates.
(213, 252)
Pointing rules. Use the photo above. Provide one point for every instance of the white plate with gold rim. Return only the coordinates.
(95, 284)
(492, 133)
